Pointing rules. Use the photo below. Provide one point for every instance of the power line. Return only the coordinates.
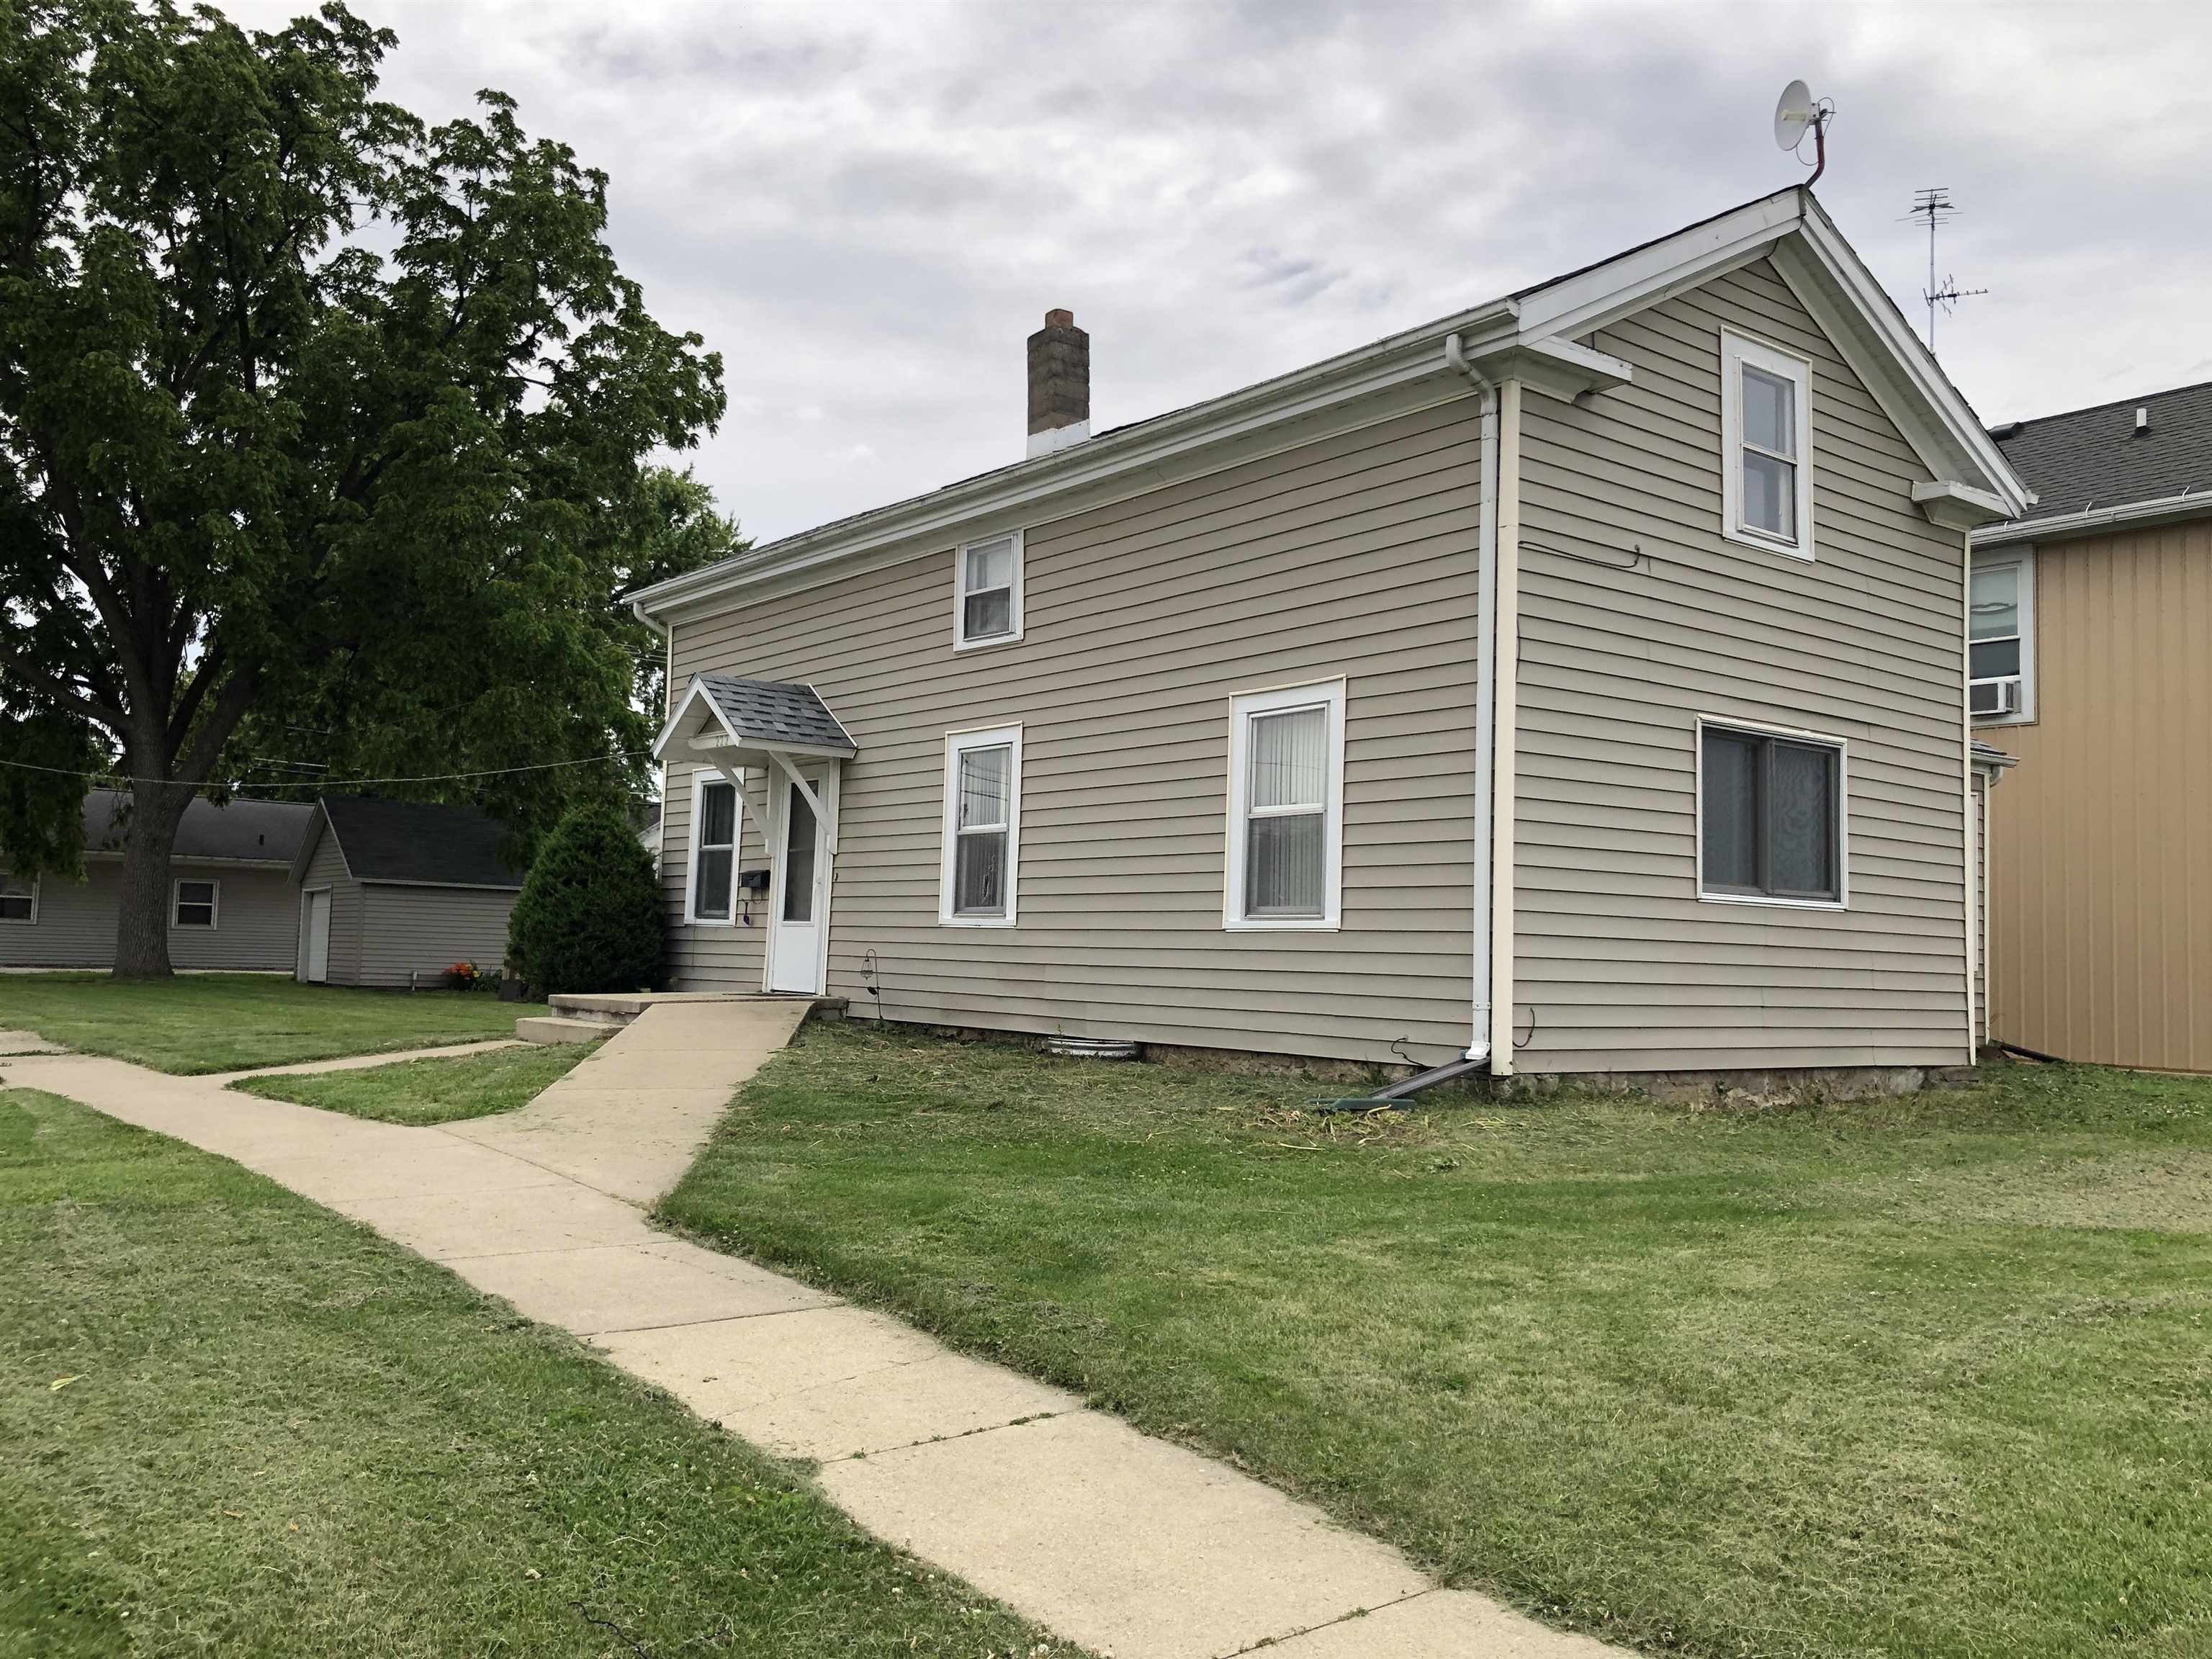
(350, 783)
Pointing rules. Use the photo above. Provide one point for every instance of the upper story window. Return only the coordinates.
(714, 847)
(19, 899)
(1770, 817)
(1285, 808)
(2001, 637)
(982, 827)
(1766, 432)
(988, 601)
(193, 903)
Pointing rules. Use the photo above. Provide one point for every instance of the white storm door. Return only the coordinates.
(318, 936)
(800, 902)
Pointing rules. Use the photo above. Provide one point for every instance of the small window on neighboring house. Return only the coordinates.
(195, 904)
(2000, 638)
(714, 847)
(1771, 812)
(989, 596)
(19, 899)
(1285, 808)
(982, 827)
(1766, 428)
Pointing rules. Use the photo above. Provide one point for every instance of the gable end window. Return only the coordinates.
(19, 899)
(193, 903)
(988, 592)
(1770, 816)
(977, 884)
(2000, 638)
(1286, 809)
(713, 848)
(1767, 440)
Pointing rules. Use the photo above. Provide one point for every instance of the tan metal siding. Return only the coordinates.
(326, 868)
(255, 926)
(1353, 556)
(406, 930)
(1619, 965)
(2102, 929)
(1981, 911)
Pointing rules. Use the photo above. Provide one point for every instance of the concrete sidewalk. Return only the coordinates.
(1134, 1547)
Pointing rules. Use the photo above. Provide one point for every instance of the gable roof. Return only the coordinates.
(2089, 462)
(759, 714)
(1531, 333)
(239, 831)
(413, 843)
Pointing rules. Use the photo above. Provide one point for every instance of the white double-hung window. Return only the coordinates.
(713, 848)
(19, 899)
(192, 903)
(1766, 434)
(988, 592)
(983, 828)
(1285, 808)
(2001, 637)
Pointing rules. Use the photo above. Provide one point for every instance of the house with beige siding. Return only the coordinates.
(394, 892)
(1575, 683)
(230, 903)
(2092, 613)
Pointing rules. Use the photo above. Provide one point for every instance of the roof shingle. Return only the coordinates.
(769, 711)
(2088, 458)
(419, 842)
(242, 831)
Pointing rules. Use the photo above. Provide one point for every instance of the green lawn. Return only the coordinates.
(1929, 1376)
(430, 1090)
(231, 1422)
(229, 1022)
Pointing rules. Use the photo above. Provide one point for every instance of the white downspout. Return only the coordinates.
(1505, 678)
(1485, 695)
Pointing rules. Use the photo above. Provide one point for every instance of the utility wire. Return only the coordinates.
(347, 783)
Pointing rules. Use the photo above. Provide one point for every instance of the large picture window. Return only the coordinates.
(982, 827)
(714, 847)
(1770, 816)
(1285, 808)
(1766, 432)
(988, 593)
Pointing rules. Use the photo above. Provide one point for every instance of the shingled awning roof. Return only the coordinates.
(726, 711)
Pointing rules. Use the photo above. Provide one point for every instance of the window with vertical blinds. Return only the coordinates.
(1286, 767)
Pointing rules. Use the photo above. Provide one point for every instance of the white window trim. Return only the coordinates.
(960, 639)
(956, 745)
(1760, 728)
(214, 903)
(1243, 705)
(700, 780)
(31, 920)
(2024, 557)
(1736, 351)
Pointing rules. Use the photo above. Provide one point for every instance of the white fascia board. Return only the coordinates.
(1958, 506)
(1558, 368)
(2094, 520)
(692, 694)
(997, 500)
(1883, 351)
(1610, 291)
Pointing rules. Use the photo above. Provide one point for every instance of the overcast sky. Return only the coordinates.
(866, 208)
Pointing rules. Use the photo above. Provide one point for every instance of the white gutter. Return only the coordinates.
(1485, 691)
(2189, 504)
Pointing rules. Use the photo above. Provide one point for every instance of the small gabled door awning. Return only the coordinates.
(738, 725)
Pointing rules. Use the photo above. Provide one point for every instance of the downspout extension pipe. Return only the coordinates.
(1486, 652)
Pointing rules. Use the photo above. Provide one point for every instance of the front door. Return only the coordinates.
(802, 892)
(318, 951)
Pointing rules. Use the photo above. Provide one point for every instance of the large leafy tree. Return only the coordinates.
(322, 432)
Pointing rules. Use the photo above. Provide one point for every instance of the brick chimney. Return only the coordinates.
(1060, 384)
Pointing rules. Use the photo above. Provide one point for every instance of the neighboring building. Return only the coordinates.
(389, 889)
(1577, 683)
(2092, 651)
(230, 900)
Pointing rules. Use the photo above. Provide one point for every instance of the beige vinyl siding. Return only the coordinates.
(255, 922)
(407, 930)
(326, 868)
(1353, 556)
(2101, 925)
(1620, 966)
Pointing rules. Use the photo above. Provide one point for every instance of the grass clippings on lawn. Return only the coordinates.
(234, 1021)
(420, 1091)
(1929, 1376)
(234, 1423)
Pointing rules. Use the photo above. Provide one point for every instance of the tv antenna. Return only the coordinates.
(1797, 110)
(1935, 205)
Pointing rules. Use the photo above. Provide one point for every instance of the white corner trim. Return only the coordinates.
(1329, 694)
(1763, 729)
(1738, 351)
(956, 745)
(960, 639)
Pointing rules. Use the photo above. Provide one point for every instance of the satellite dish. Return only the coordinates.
(1794, 114)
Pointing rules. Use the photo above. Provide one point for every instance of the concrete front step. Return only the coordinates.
(551, 1027)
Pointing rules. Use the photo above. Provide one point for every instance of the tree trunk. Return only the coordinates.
(141, 908)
